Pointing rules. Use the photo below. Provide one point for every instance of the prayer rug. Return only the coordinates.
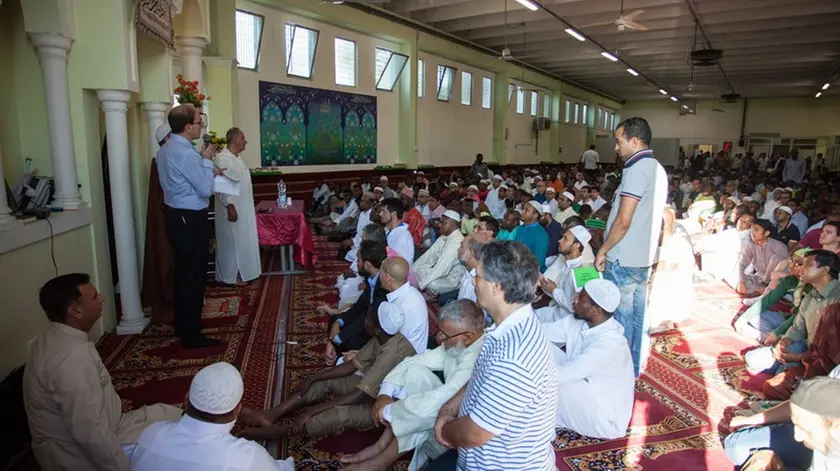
(152, 367)
(694, 381)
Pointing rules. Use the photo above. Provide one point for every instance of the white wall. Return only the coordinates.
(521, 142)
(449, 133)
(272, 68)
(573, 142)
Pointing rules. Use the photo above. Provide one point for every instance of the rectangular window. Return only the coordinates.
(600, 124)
(568, 111)
(248, 37)
(421, 79)
(535, 98)
(585, 114)
(466, 88)
(520, 100)
(389, 67)
(445, 76)
(486, 92)
(577, 113)
(301, 44)
(511, 89)
(546, 105)
(345, 62)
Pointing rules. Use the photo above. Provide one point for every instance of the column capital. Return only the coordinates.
(51, 45)
(155, 106)
(220, 61)
(191, 46)
(114, 100)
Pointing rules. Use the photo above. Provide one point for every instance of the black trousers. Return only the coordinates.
(189, 234)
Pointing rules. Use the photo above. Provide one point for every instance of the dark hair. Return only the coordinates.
(764, 223)
(585, 187)
(373, 252)
(592, 146)
(573, 221)
(636, 127)
(512, 266)
(826, 258)
(375, 233)
(232, 133)
(491, 223)
(59, 293)
(585, 211)
(393, 205)
(834, 224)
(180, 117)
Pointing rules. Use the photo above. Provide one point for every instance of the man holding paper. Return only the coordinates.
(237, 247)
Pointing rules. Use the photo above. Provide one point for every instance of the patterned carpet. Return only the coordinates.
(694, 381)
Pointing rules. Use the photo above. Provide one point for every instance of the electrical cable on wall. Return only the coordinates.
(52, 246)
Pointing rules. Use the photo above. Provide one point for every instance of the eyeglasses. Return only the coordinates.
(795, 263)
(442, 335)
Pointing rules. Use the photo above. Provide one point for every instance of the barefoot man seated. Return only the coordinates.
(411, 395)
(395, 329)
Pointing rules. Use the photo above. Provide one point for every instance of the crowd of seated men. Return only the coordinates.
(519, 347)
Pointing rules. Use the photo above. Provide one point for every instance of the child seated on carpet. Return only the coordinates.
(353, 393)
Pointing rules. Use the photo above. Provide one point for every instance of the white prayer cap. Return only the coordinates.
(390, 317)
(423, 192)
(551, 189)
(472, 187)
(452, 215)
(538, 177)
(546, 209)
(788, 189)
(420, 172)
(527, 170)
(455, 184)
(569, 196)
(379, 189)
(785, 209)
(217, 389)
(581, 234)
(746, 199)
(383, 178)
(497, 177)
(162, 131)
(734, 200)
(604, 293)
(537, 206)
(504, 186)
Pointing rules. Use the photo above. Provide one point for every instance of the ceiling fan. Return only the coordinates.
(624, 22)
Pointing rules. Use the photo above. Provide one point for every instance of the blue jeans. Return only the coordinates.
(762, 360)
(777, 437)
(759, 328)
(632, 283)
(445, 462)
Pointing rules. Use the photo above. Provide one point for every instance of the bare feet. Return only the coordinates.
(372, 451)
(265, 433)
(255, 418)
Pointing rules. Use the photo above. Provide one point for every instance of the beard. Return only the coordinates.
(456, 351)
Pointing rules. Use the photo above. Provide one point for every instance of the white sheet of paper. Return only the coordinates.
(222, 184)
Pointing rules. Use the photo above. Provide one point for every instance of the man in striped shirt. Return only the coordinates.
(503, 419)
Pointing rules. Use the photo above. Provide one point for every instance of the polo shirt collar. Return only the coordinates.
(399, 292)
(515, 318)
(71, 331)
(181, 140)
(642, 154)
(831, 286)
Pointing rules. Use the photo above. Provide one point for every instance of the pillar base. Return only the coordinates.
(133, 326)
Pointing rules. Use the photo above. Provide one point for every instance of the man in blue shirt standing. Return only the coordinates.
(532, 234)
(186, 178)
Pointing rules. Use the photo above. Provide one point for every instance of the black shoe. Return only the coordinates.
(200, 341)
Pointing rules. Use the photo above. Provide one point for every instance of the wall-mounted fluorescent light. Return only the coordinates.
(819, 94)
(633, 72)
(673, 98)
(528, 4)
(609, 56)
(575, 34)
(663, 91)
(825, 87)
(684, 106)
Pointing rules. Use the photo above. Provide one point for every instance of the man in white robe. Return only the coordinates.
(412, 394)
(438, 269)
(237, 244)
(596, 363)
(423, 203)
(564, 207)
(75, 415)
(558, 280)
(551, 200)
(494, 202)
(365, 206)
(201, 439)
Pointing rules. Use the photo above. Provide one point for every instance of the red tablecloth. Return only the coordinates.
(286, 226)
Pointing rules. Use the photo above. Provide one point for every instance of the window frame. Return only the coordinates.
(336, 39)
(421, 78)
(291, 48)
(465, 74)
(511, 90)
(520, 100)
(440, 79)
(568, 117)
(585, 111)
(377, 80)
(485, 80)
(256, 67)
(546, 105)
(535, 103)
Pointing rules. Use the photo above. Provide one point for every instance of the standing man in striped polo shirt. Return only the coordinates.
(632, 234)
(503, 419)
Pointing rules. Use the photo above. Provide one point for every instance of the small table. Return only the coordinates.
(286, 229)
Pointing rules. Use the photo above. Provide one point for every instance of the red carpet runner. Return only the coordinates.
(694, 381)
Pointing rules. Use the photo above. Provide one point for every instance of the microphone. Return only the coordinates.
(206, 138)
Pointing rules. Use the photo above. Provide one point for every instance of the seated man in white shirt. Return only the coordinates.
(438, 270)
(596, 363)
(412, 394)
(558, 280)
(201, 439)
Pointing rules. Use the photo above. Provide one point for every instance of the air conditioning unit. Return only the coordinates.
(543, 124)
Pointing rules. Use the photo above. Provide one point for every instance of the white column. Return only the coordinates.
(115, 106)
(192, 50)
(52, 51)
(155, 115)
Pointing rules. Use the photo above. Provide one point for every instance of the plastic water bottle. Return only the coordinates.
(281, 194)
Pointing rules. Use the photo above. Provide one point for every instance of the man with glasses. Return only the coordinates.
(186, 177)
